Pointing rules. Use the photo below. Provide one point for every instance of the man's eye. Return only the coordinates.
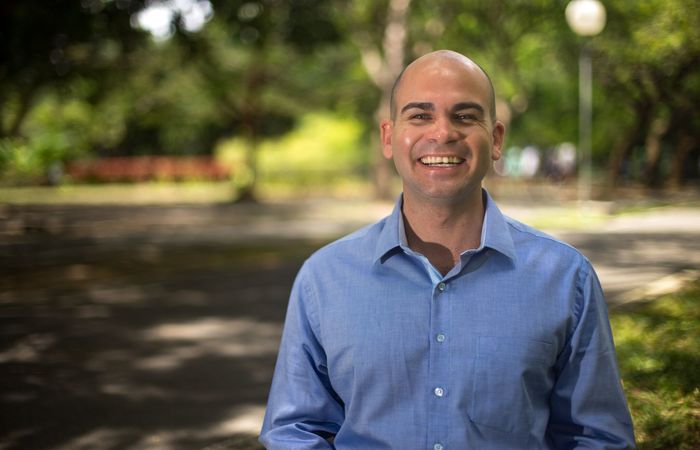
(466, 117)
(420, 116)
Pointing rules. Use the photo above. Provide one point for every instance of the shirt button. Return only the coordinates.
(438, 447)
(440, 337)
(441, 287)
(439, 391)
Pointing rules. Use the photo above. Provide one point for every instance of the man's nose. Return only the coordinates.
(442, 131)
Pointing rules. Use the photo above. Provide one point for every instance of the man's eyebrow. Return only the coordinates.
(468, 105)
(425, 106)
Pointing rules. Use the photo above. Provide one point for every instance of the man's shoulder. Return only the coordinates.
(528, 238)
(360, 244)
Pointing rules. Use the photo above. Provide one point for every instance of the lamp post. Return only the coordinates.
(586, 18)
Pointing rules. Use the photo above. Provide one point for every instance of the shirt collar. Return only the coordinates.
(495, 233)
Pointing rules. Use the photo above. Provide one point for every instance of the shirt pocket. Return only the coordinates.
(512, 382)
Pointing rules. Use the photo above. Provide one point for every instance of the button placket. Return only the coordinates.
(439, 363)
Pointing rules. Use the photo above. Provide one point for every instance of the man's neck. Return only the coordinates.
(443, 231)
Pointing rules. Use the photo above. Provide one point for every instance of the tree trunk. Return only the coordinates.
(394, 44)
(247, 192)
(623, 148)
(251, 112)
(25, 102)
(383, 172)
(685, 145)
(652, 145)
(383, 70)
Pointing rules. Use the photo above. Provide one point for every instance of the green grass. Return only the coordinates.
(568, 218)
(658, 347)
(139, 193)
(170, 193)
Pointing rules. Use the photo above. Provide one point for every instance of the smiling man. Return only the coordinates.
(446, 325)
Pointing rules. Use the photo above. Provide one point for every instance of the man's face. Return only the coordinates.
(443, 137)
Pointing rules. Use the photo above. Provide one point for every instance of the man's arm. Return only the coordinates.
(303, 411)
(588, 407)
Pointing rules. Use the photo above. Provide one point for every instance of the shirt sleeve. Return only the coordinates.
(303, 411)
(588, 407)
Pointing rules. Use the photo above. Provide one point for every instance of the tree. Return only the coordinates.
(648, 59)
(249, 57)
(48, 44)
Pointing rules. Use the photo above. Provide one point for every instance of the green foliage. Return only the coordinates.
(17, 162)
(321, 147)
(44, 48)
(166, 106)
(658, 348)
(61, 127)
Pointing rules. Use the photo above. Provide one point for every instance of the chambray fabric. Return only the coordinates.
(512, 349)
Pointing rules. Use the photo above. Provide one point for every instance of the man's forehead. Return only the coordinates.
(449, 91)
(442, 75)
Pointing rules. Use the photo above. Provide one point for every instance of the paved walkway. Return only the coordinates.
(628, 251)
(156, 327)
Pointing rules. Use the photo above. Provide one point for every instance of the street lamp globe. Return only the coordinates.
(585, 17)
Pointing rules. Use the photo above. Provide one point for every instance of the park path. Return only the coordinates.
(628, 251)
(156, 327)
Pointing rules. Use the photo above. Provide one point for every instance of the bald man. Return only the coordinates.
(446, 325)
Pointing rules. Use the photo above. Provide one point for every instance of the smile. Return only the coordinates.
(441, 161)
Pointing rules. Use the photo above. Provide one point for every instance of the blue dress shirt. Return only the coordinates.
(512, 349)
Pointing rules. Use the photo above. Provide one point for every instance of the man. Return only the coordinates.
(446, 326)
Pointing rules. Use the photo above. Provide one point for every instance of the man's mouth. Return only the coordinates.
(441, 161)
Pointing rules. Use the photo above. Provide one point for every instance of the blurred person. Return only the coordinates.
(446, 325)
(512, 161)
(566, 159)
(529, 162)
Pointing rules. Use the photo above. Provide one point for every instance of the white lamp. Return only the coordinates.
(585, 17)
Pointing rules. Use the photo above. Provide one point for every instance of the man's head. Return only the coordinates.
(443, 133)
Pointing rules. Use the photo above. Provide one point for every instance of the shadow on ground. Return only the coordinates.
(123, 343)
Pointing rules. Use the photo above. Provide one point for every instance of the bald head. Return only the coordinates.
(445, 57)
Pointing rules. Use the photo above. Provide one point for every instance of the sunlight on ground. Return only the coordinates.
(569, 218)
(117, 295)
(98, 438)
(28, 349)
(662, 286)
(211, 336)
(245, 419)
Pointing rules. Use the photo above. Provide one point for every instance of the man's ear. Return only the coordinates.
(386, 129)
(498, 135)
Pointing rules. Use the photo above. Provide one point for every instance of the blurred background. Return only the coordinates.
(166, 166)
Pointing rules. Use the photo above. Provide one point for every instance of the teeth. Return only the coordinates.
(441, 160)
